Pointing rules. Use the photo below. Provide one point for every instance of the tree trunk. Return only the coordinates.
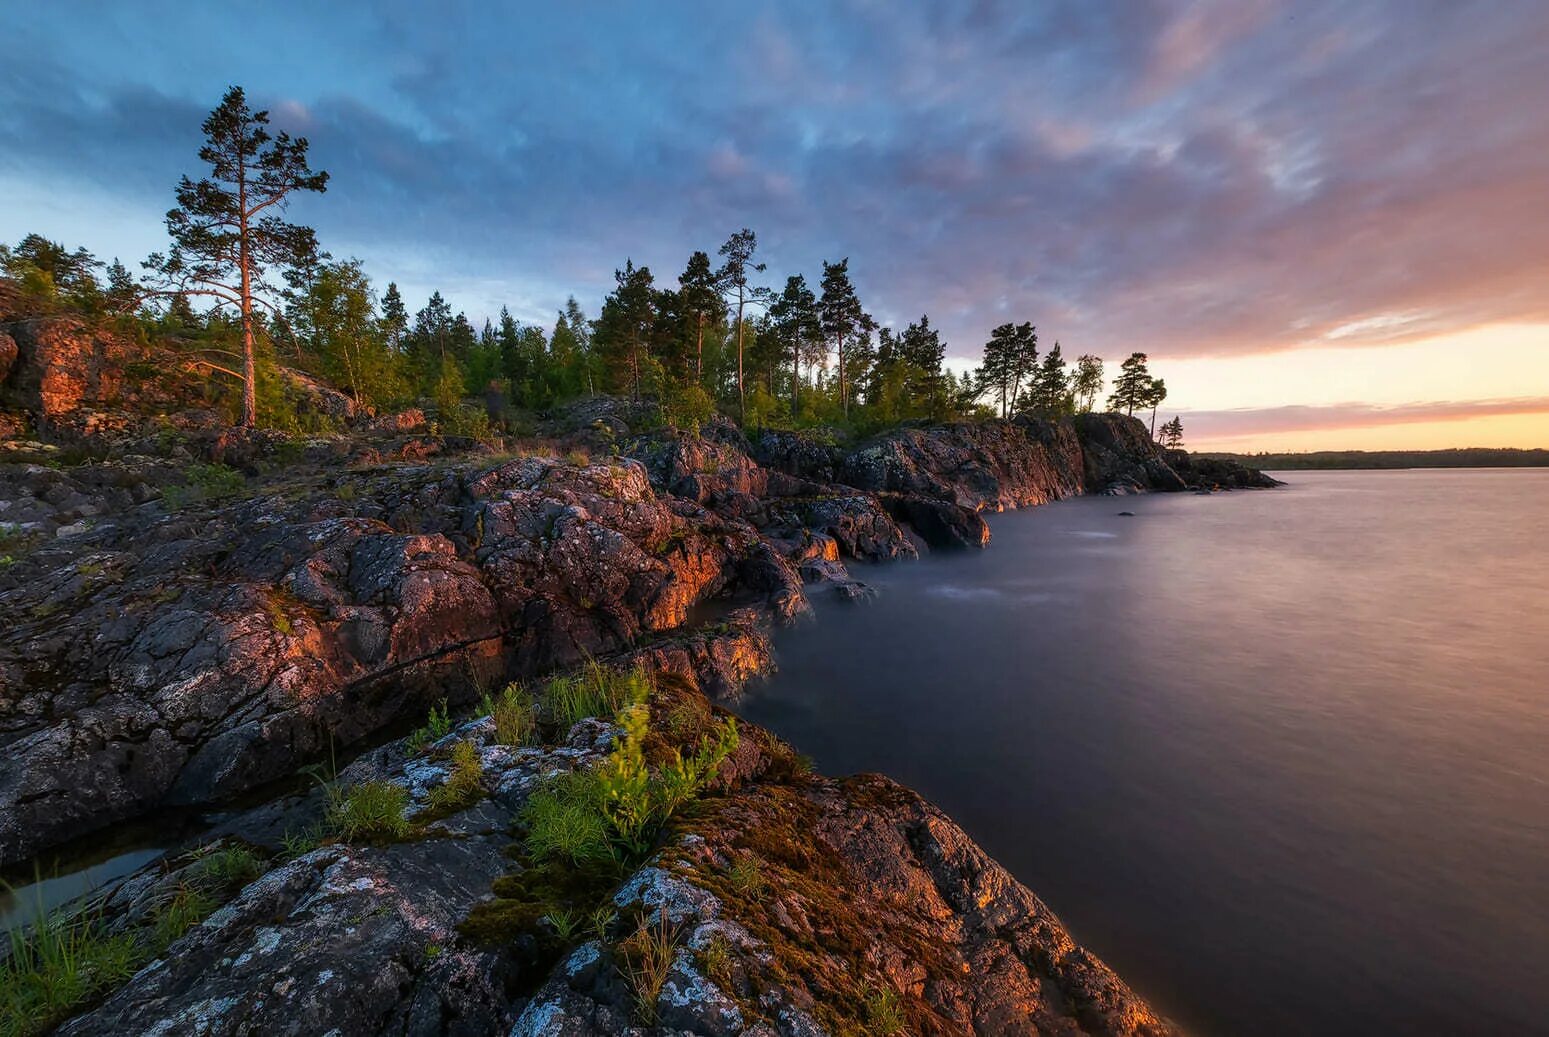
(1153, 423)
(249, 366)
(699, 349)
(844, 395)
(742, 396)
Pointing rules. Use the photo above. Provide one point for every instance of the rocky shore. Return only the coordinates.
(195, 614)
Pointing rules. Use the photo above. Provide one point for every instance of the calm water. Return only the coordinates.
(1282, 758)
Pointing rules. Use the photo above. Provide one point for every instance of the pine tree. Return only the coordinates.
(1156, 392)
(843, 321)
(432, 334)
(794, 319)
(394, 320)
(701, 302)
(1131, 389)
(734, 284)
(1049, 393)
(227, 230)
(921, 352)
(624, 327)
(1172, 434)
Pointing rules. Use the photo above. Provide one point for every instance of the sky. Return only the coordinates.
(1327, 223)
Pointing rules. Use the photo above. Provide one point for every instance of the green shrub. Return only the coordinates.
(516, 722)
(370, 810)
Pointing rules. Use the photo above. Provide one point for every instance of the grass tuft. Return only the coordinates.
(230, 866)
(644, 959)
(516, 722)
(464, 785)
(370, 810)
(596, 691)
(746, 876)
(884, 1012)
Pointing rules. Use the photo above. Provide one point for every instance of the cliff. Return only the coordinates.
(180, 633)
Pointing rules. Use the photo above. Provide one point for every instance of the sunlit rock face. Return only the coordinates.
(181, 658)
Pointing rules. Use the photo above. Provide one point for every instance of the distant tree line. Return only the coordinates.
(241, 291)
(1467, 457)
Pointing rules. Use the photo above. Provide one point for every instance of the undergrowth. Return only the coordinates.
(516, 721)
(586, 830)
(72, 955)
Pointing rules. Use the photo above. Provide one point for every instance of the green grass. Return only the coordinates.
(62, 962)
(617, 810)
(188, 906)
(69, 957)
(516, 721)
(464, 785)
(231, 866)
(204, 482)
(715, 961)
(884, 1012)
(567, 820)
(372, 810)
(596, 691)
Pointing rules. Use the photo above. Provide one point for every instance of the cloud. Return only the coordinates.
(1209, 179)
(1219, 424)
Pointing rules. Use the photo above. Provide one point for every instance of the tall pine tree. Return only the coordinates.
(227, 229)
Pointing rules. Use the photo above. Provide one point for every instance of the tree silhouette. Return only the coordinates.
(1133, 386)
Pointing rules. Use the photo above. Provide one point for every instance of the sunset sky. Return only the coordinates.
(1328, 223)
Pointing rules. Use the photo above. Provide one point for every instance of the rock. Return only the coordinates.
(989, 465)
(195, 671)
(8, 354)
(351, 939)
(60, 365)
(399, 423)
(864, 888)
(1208, 473)
(312, 398)
(1119, 456)
(815, 454)
(939, 523)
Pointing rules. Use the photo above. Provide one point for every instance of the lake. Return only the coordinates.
(1280, 757)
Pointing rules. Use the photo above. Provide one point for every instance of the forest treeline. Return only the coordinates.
(1465, 457)
(240, 292)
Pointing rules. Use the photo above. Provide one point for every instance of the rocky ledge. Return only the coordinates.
(195, 614)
